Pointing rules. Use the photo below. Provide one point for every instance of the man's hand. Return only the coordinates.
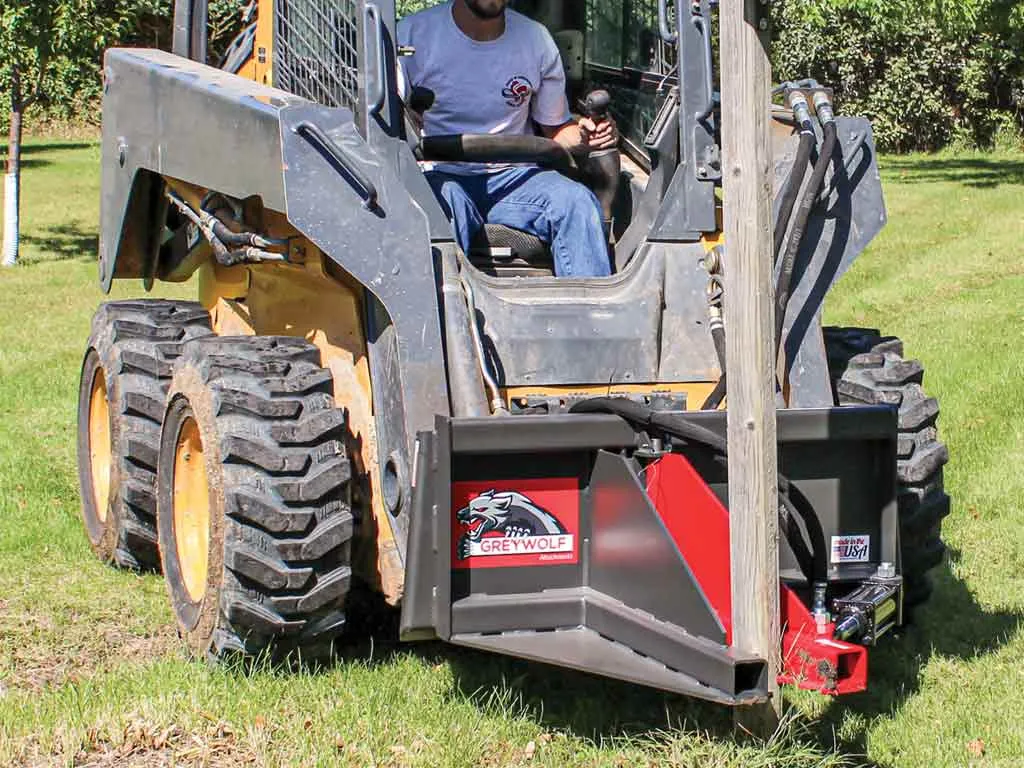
(602, 135)
(586, 135)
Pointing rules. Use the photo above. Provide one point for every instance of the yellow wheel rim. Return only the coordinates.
(191, 509)
(99, 443)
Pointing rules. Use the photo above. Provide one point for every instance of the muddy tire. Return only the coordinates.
(124, 380)
(868, 368)
(253, 502)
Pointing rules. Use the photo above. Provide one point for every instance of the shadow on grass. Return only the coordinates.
(28, 163)
(586, 705)
(34, 148)
(951, 624)
(61, 243)
(969, 171)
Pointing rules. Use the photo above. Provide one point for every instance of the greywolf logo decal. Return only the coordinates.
(509, 523)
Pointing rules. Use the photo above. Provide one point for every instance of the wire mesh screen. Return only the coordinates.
(316, 51)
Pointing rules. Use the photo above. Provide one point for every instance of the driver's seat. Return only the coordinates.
(502, 251)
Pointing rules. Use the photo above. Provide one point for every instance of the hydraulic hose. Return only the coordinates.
(210, 210)
(813, 561)
(802, 113)
(803, 214)
(224, 256)
(716, 322)
(718, 338)
(717, 394)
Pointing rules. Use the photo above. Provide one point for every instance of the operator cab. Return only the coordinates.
(615, 63)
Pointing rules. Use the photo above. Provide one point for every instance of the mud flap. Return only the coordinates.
(535, 537)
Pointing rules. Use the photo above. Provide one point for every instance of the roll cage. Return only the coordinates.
(342, 53)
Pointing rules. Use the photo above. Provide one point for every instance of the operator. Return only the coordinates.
(496, 71)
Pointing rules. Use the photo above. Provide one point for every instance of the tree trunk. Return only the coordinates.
(12, 178)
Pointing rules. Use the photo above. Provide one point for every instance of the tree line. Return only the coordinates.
(928, 73)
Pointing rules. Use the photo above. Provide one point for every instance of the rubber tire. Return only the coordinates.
(869, 368)
(135, 344)
(281, 525)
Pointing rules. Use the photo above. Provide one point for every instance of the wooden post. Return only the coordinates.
(750, 353)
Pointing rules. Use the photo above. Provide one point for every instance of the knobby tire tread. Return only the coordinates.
(137, 342)
(286, 475)
(868, 368)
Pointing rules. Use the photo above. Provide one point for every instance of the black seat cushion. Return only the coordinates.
(505, 252)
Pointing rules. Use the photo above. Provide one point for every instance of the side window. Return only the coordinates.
(623, 34)
(604, 33)
(626, 55)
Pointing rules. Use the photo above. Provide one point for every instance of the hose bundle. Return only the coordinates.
(803, 215)
(783, 286)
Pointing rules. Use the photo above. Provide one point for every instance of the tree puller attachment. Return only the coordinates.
(599, 540)
(518, 463)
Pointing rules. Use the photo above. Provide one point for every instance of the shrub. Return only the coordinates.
(924, 79)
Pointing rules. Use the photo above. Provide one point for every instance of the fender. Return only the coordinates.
(168, 117)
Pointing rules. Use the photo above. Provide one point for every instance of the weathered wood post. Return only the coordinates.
(750, 354)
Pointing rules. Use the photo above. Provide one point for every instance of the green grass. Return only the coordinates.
(90, 669)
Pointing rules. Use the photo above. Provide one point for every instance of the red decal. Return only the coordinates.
(515, 523)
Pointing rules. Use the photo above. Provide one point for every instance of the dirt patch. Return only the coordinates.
(143, 744)
(38, 651)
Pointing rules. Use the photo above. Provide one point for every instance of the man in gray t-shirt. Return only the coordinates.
(496, 71)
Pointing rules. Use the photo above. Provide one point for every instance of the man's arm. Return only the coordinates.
(583, 135)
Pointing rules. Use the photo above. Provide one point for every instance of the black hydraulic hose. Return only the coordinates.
(236, 239)
(631, 411)
(210, 213)
(803, 214)
(225, 256)
(813, 561)
(718, 393)
(796, 180)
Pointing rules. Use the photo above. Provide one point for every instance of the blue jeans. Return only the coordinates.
(559, 211)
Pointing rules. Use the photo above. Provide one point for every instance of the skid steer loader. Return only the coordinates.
(524, 464)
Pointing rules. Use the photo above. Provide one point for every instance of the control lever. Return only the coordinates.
(595, 106)
(602, 167)
(420, 99)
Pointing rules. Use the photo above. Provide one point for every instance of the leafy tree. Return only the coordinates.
(34, 37)
(50, 51)
(926, 72)
(26, 48)
(894, 14)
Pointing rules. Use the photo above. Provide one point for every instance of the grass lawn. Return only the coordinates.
(91, 671)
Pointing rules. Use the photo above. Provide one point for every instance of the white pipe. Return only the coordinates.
(10, 220)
